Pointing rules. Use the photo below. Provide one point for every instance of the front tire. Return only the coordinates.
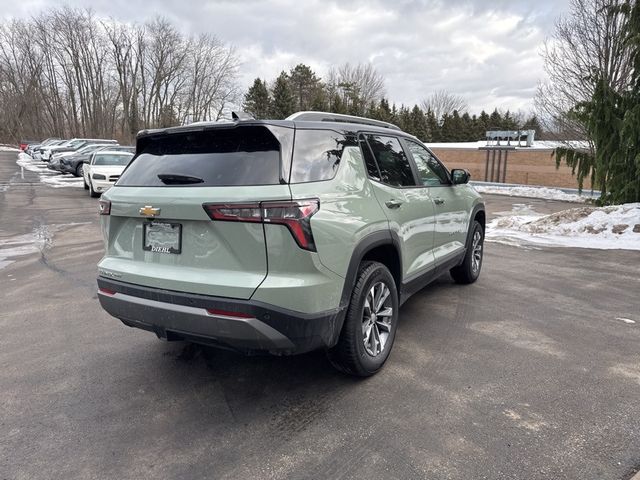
(469, 270)
(370, 324)
(92, 192)
(79, 171)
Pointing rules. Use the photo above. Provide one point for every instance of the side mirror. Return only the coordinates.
(460, 176)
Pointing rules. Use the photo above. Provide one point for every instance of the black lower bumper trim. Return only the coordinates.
(169, 313)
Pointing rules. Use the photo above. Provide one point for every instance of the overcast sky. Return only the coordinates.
(487, 52)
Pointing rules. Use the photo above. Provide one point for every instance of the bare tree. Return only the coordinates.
(586, 44)
(442, 103)
(358, 85)
(63, 72)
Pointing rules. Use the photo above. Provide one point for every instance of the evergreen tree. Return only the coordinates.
(483, 125)
(613, 123)
(495, 120)
(305, 86)
(257, 101)
(284, 102)
(433, 128)
(533, 123)
(419, 123)
(467, 133)
(405, 120)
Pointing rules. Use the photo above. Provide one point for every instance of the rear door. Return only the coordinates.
(452, 216)
(159, 234)
(407, 206)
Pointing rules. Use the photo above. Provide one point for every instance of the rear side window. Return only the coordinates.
(393, 164)
(247, 155)
(317, 154)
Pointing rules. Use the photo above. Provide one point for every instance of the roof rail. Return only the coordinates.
(338, 117)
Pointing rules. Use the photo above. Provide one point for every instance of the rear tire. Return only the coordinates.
(370, 324)
(469, 270)
(86, 187)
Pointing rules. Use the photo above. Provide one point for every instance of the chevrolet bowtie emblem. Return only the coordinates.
(149, 211)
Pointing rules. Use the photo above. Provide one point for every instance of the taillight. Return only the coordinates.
(104, 207)
(295, 215)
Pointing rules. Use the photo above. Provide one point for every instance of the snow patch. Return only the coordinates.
(26, 244)
(49, 177)
(532, 192)
(36, 241)
(628, 321)
(616, 227)
(8, 148)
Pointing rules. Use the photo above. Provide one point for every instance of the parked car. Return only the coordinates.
(36, 150)
(75, 163)
(56, 161)
(284, 236)
(73, 145)
(24, 144)
(30, 150)
(104, 169)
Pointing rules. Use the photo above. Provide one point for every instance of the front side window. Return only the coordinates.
(430, 171)
(392, 162)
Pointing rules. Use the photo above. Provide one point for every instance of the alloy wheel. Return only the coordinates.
(376, 319)
(476, 258)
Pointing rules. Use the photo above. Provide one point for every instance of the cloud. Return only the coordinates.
(488, 53)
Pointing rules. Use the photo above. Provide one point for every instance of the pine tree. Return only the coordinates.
(304, 86)
(257, 101)
(483, 125)
(495, 120)
(433, 128)
(419, 122)
(284, 103)
(613, 124)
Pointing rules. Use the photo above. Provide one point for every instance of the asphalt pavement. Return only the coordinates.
(526, 374)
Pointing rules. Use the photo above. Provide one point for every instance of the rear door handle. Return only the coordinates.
(438, 201)
(393, 203)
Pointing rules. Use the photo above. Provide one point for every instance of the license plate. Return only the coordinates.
(162, 237)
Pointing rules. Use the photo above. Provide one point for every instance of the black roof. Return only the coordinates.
(340, 126)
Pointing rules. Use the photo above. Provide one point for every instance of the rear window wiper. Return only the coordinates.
(175, 179)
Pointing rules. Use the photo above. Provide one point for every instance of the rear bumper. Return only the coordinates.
(257, 328)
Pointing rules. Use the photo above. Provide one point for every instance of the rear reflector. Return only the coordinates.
(226, 313)
(104, 207)
(106, 291)
(295, 215)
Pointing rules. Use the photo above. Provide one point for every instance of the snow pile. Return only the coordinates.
(531, 192)
(8, 148)
(49, 177)
(616, 227)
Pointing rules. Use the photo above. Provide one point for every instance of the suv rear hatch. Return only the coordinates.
(158, 232)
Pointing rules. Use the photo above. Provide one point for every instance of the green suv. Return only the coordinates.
(284, 236)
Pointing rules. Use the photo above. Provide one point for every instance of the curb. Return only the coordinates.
(636, 476)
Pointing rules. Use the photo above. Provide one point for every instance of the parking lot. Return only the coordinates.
(528, 373)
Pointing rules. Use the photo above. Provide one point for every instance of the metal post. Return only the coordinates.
(486, 168)
(493, 162)
(498, 170)
(504, 167)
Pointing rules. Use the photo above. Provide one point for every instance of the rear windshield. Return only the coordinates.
(112, 159)
(247, 155)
